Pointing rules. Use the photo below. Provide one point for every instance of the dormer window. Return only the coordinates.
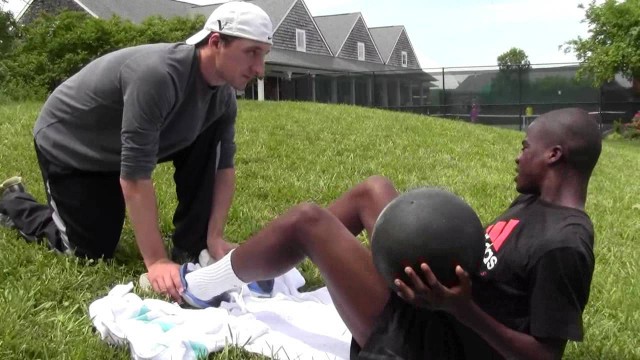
(405, 59)
(301, 40)
(361, 51)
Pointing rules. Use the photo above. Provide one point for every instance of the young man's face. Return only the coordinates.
(241, 60)
(531, 163)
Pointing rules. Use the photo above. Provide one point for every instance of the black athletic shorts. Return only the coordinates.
(404, 332)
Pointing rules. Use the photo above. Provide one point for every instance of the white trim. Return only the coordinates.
(373, 41)
(348, 33)
(24, 10)
(364, 55)
(312, 21)
(317, 28)
(86, 8)
(394, 46)
(404, 55)
(368, 32)
(301, 46)
(404, 30)
(285, 16)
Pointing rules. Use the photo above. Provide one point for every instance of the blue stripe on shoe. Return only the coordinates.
(195, 301)
(262, 288)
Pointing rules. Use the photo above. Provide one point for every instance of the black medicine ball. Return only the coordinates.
(427, 225)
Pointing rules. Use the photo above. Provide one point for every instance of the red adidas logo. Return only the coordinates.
(496, 234)
(500, 231)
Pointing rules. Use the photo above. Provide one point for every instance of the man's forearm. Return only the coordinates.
(140, 198)
(509, 343)
(223, 191)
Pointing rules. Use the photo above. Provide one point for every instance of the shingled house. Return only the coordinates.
(333, 59)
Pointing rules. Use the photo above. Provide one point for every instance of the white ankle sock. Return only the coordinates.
(213, 280)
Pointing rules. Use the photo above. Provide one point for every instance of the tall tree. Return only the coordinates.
(613, 44)
(8, 29)
(514, 59)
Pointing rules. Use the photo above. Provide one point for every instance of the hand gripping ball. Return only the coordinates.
(427, 225)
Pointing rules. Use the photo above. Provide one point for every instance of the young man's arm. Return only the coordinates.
(223, 191)
(148, 95)
(457, 301)
(225, 182)
(560, 281)
(509, 343)
(140, 199)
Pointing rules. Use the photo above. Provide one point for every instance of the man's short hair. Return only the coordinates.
(225, 39)
(579, 136)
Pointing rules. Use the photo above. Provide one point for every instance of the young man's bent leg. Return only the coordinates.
(358, 291)
(85, 213)
(194, 177)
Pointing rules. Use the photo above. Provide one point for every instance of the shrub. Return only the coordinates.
(629, 130)
(54, 47)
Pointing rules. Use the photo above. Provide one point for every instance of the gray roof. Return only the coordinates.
(386, 38)
(138, 10)
(277, 10)
(480, 80)
(324, 64)
(336, 28)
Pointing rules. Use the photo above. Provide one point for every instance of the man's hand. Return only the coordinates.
(164, 276)
(432, 294)
(218, 247)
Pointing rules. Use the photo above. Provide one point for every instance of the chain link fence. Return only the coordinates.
(482, 94)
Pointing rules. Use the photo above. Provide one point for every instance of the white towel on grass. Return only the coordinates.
(290, 325)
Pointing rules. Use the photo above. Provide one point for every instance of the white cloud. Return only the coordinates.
(531, 11)
(13, 6)
(326, 7)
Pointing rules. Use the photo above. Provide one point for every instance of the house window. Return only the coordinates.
(361, 51)
(301, 40)
(405, 59)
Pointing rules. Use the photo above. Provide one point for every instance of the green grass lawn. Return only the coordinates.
(294, 152)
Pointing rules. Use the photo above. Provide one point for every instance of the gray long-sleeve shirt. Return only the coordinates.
(128, 109)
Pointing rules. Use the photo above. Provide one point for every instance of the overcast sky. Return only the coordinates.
(472, 32)
(467, 32)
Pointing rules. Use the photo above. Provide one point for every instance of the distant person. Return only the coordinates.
(526, 301)
(475, 112)
(102, 132)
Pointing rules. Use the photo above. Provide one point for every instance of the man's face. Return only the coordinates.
(240, 61)
(531, 163)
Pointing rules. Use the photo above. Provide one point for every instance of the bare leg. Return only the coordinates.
(359, 207)
(326, 236)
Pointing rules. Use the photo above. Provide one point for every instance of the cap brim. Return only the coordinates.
(197, 37)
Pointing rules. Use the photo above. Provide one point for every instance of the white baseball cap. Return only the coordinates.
(239, 19)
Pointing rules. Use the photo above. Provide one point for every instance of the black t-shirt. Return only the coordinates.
(535, 279)
(537, 269)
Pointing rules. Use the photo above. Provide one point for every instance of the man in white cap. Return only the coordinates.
(101, 133)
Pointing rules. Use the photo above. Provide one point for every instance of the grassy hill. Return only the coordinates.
(294, 152)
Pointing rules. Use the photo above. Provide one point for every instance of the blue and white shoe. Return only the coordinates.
(191, 299)
(262, 288)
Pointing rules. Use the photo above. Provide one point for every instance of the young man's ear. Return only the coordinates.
(214, 40)
(555, 154)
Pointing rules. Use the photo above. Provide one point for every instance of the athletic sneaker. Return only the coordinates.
(261, 288)
(5, 221)
(191, 299)
(13, 184)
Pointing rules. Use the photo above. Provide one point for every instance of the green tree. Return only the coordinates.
(508, 85)
(613, 44)
(514, 59)
(54, 47)
(8, 31)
